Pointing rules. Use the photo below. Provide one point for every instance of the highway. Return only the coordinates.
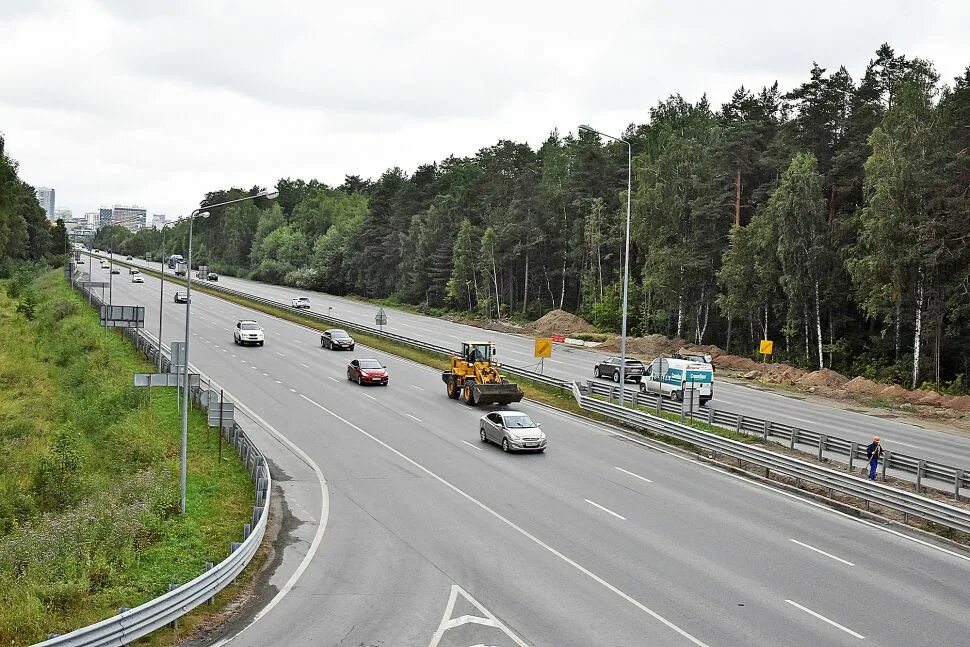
(603, 540)
(949, 448)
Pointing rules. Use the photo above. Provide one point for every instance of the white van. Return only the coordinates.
(670, 377)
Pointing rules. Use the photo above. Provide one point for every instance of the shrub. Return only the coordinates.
(57, 481)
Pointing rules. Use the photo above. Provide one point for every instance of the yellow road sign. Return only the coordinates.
(543, 348)
(767, 346)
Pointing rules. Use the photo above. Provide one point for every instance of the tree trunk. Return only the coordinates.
(818, 327)
(498, 299)
(552, 296)
(896, 341)
(831, 340)
(707, 312)
(919, 329)
(525, 286)
(680, 312)
(727, 345)
(808, 341)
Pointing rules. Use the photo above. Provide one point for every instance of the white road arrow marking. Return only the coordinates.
(487, 619)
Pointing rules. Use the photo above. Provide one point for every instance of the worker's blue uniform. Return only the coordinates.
(873, 452)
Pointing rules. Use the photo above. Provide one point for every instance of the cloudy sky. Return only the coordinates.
(155, 103)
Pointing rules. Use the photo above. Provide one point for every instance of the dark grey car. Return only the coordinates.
(610, 369)
(513, 430)
(336, 339)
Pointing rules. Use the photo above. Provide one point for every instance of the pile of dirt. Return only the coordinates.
(560, 322)
(957, 402)
(825, 378)
(863, 386)
(645, 348)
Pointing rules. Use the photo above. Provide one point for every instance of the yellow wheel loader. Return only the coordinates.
(474, 377)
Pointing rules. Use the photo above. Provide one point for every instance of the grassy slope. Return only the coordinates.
(89, 474)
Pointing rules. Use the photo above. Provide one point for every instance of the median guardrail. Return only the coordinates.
(908, 503)
(768, 430)
(794, 437)
(132, 624)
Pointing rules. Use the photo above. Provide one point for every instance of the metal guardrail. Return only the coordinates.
(793, 437)
(908, 503)
(353, 326)
(132, 624)
(767, 429)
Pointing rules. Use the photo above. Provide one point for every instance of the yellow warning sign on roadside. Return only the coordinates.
(767, 346)
(543, 348)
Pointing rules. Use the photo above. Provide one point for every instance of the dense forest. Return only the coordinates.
(831, 218)
(25, 233)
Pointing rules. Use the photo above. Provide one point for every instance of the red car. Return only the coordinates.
(367, 371)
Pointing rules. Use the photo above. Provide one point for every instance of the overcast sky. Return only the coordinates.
(155, 103)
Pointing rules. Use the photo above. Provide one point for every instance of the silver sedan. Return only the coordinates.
(513, 430)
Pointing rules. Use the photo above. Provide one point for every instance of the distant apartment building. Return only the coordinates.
(104, 217)
(159, 220)
(132, 218)
(91, 217)
(63, 214)
(45, 197)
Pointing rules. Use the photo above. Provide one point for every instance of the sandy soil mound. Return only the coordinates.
(863, 386)
(894, 392)
(958, 402)
(560, 322)
(644, 347)
(825, 377)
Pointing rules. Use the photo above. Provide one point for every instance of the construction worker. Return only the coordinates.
(873, 452)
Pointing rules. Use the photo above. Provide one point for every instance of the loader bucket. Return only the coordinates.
(504, 393)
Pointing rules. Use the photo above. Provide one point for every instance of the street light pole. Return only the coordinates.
(161, 303)
(269, 194)
(626, 255)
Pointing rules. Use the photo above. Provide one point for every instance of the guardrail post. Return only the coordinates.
(919, 473)
(659, 404)
(257, 513)
(822, 439)
(739, 424)
(852, 450)
(247, 530)
(174, 623)
(887, 456)
(957, 480)
(710, 414)
(636, 395)
(681, 409)
(794, 438)
(767, 430)
(234, 546)
(208, 567)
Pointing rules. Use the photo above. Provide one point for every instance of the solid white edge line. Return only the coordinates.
(472, 446)
(821, 552)
(525, 533)
(633, 438)
(321, 525)
(607, 510)
(824, 619)
(413, 417)
(791, 495)
(642, 478)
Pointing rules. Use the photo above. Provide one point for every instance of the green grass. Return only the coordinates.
(89, 473)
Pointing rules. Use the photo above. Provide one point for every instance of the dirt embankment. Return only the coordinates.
(825, 382)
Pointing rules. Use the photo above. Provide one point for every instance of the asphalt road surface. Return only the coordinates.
(941, 446)
(433, 538)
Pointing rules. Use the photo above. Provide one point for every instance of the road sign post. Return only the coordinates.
(543, 349)
(766, 349)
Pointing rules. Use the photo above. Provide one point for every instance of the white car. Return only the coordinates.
(300, 302)
(248, 332)
(137, 278)
(513, 430)
(105, 265)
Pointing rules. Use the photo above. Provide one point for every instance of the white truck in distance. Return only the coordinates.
(670, 377)
(180, 269)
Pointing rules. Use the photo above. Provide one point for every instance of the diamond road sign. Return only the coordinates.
(381, 318)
